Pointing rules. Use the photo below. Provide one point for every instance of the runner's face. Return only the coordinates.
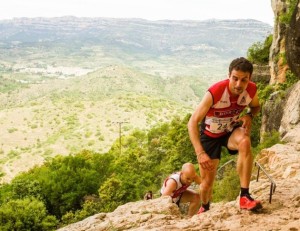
(188, 178)
(238, 81)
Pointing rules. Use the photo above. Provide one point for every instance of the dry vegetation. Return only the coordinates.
(64, 116)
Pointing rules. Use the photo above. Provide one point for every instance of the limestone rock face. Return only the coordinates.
(277, 64)
(293, 42)
(282, 113)
(291, 116)
(272, 114)
(286, 43)
(261, 74)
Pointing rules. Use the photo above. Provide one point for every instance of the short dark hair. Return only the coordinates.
(241, 64)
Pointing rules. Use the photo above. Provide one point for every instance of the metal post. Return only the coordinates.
(273, 184)
(271, 192)
(257, 174)
(120, 134)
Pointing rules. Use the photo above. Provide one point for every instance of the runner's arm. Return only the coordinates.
(254, 106)
(170, 187)
(193, 124)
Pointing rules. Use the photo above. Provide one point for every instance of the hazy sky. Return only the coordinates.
(148, 9)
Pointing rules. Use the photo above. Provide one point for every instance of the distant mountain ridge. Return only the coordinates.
(132, 41)
(133, 32)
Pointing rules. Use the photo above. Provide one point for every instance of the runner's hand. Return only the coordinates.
(246, 123)
(205, 162)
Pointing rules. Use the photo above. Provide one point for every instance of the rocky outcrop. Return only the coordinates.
(272, 114)
(261, 74)
(285, 49)
(293, 42)
(277, 62)
(282, 113)
(282, 161)
(290, 122)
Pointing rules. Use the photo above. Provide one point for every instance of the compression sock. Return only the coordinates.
(244, 191)
(206, 206)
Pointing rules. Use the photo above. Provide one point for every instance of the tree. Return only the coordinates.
(26, 214)
(112, 194)
(66, 180)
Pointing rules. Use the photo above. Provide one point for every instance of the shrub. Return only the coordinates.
(264, 92)
(228, 188)
(259, 52)
(269, 139)
(26, 214)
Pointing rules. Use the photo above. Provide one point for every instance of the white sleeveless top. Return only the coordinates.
(180, 188)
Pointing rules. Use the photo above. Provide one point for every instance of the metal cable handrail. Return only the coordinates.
(220, 172)
(272, 186)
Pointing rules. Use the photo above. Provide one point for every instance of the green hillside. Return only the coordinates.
(41, 119)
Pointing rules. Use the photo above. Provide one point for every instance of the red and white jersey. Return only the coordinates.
(180, 188)
(226, 108)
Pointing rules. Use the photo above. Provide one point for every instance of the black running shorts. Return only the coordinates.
(213, 146)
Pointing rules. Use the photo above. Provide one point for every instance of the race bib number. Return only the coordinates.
(219, 125)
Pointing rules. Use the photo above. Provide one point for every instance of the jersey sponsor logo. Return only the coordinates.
(243, 101)
(227, 113)
(224, 101)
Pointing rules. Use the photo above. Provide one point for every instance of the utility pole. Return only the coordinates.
(120, 134)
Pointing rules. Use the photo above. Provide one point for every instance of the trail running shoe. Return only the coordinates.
(247, 202)
(201, 210)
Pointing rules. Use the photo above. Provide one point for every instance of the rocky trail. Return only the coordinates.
(281, 161)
